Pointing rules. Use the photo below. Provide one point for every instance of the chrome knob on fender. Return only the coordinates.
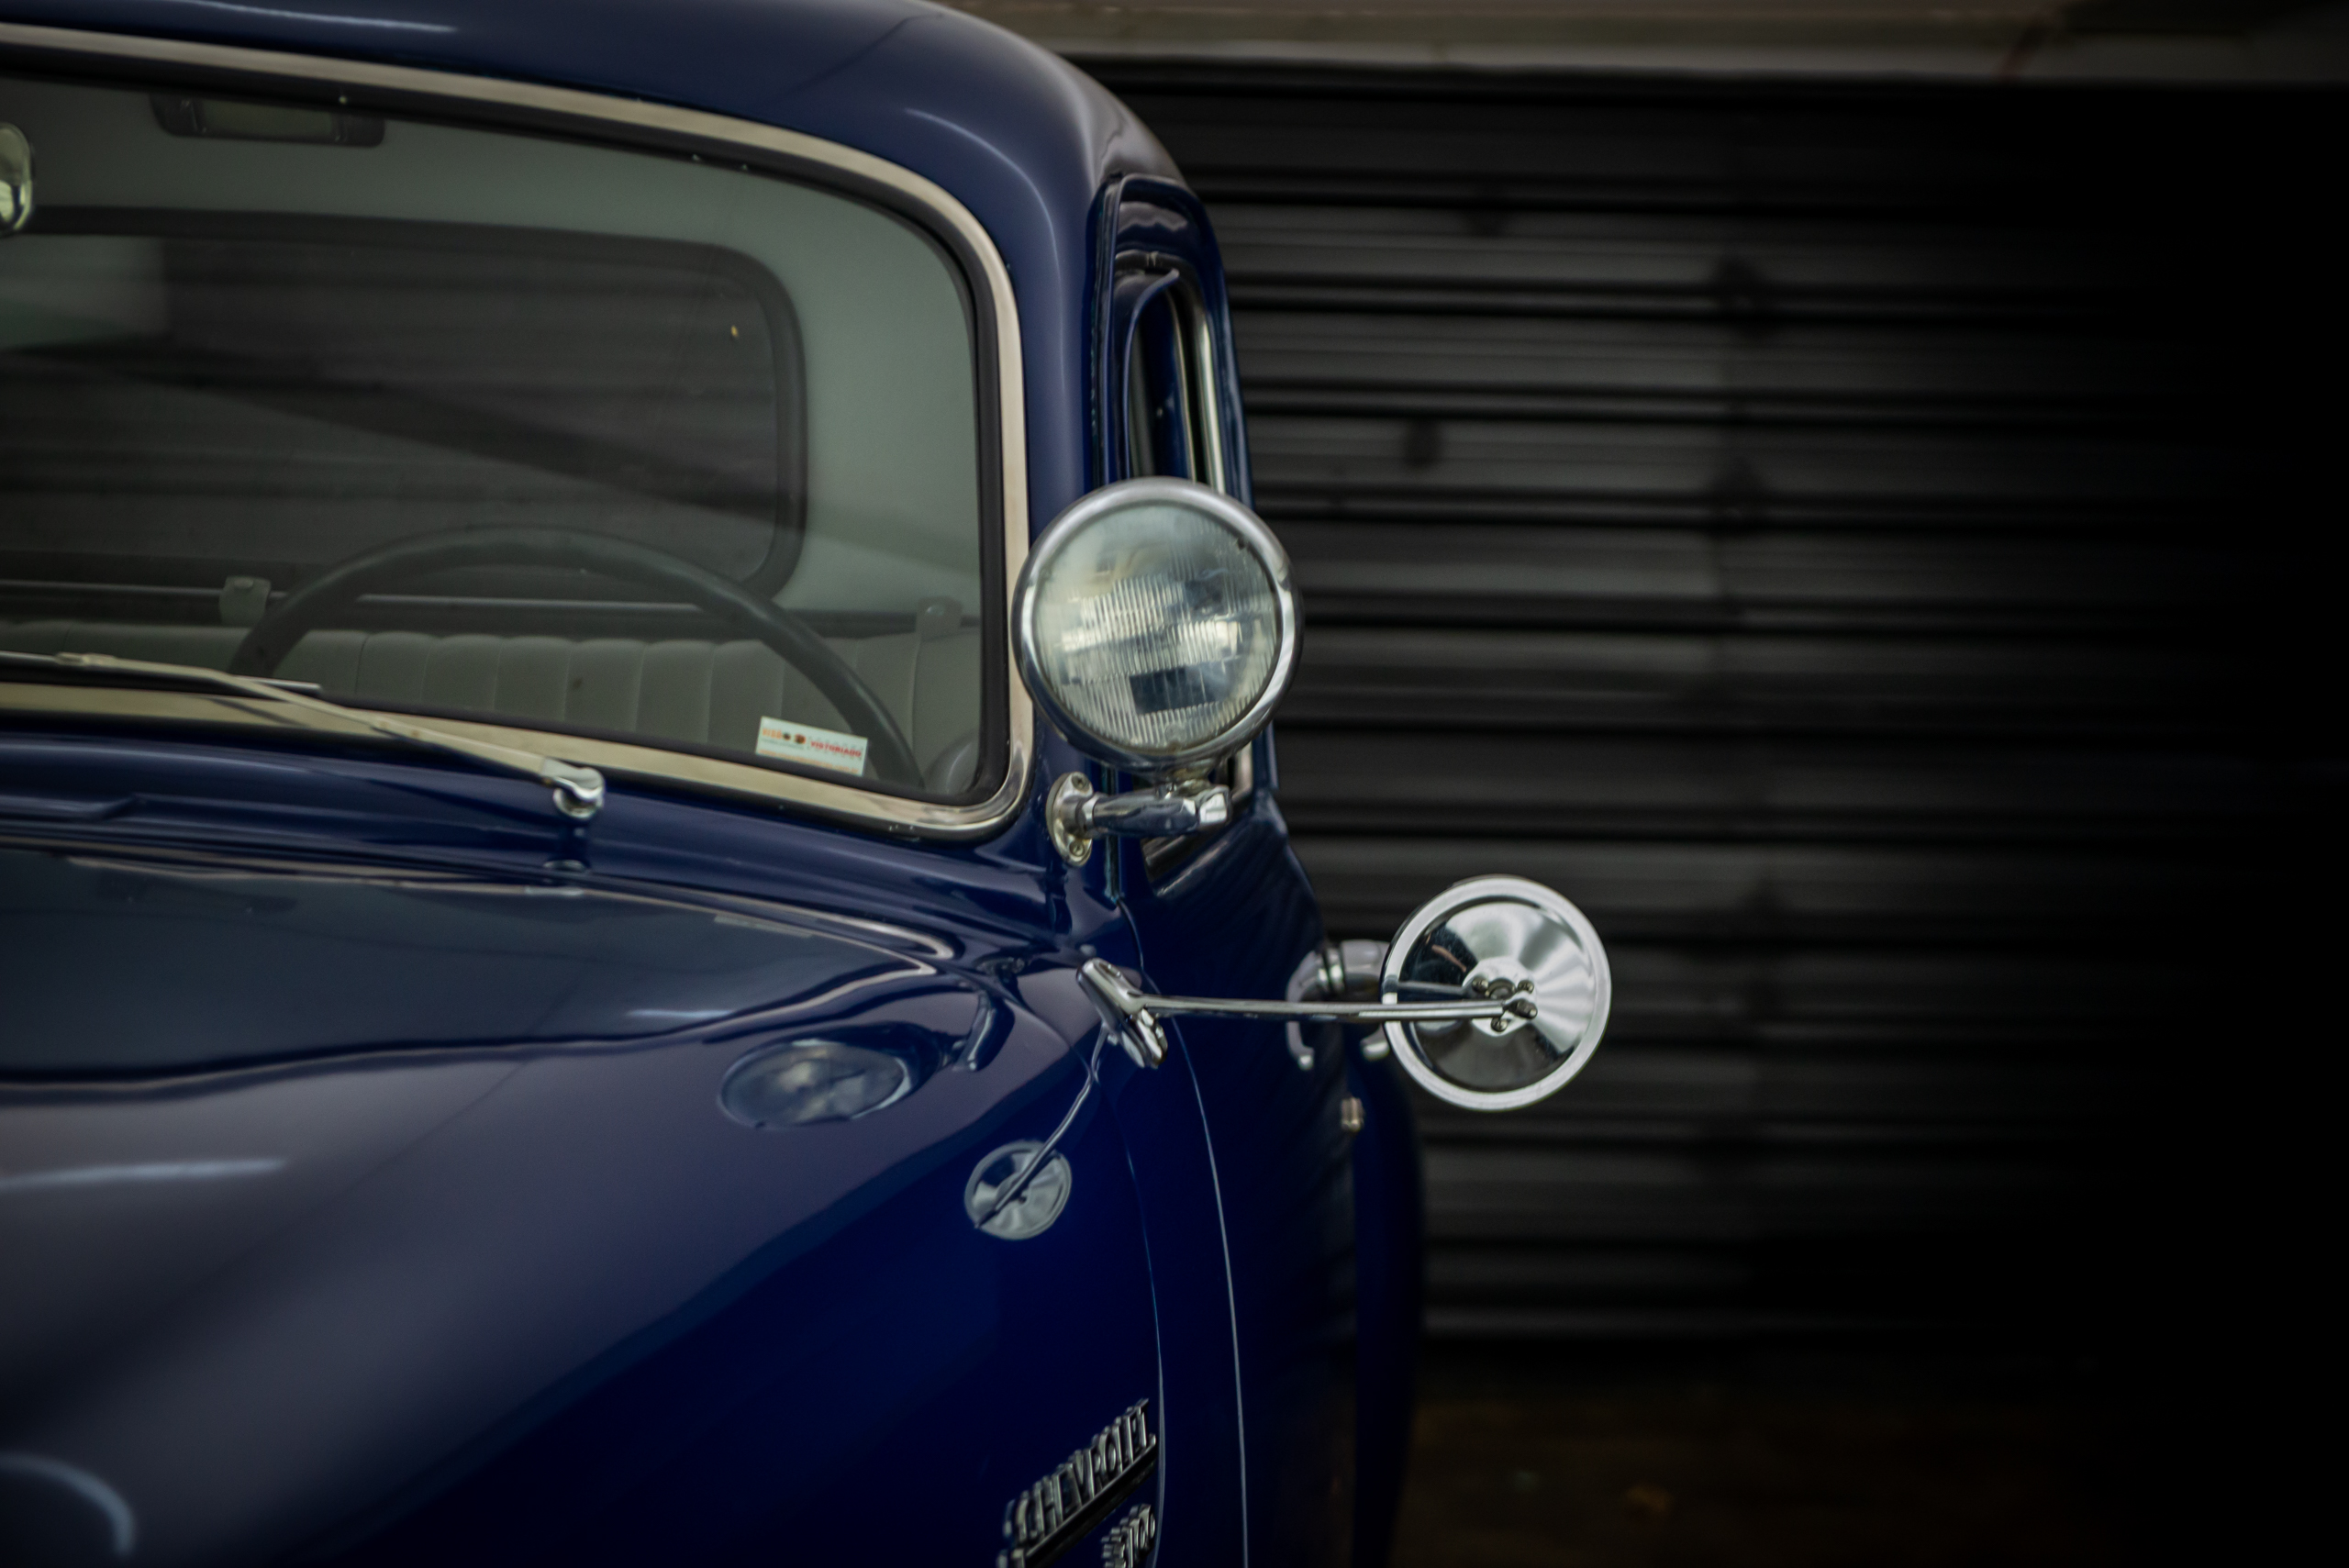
(1018, 1191)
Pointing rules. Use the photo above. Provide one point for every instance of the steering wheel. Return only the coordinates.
(761, 620)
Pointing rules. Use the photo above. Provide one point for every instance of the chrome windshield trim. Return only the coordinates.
(846, 803)
(1206, 376)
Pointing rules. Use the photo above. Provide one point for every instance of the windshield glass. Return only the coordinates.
(494, 426)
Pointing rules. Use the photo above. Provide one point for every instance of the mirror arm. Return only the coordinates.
(1135, 1014)
(1077, 814)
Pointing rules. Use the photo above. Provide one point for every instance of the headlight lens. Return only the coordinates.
(1157, 623)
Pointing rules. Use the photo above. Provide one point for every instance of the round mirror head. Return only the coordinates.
(1155, 626)
(16, 179)
(1497, 938)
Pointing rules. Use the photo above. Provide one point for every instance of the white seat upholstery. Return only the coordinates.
(711, 693)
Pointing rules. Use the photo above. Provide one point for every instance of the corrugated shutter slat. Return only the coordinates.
(1801, 526)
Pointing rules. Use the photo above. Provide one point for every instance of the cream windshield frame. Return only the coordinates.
(788, 153)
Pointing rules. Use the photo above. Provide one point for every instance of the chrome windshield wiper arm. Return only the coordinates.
(578, 790)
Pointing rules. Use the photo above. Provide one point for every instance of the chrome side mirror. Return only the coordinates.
(1494, 995)
(1499, 938)
(15, 180)
(1155, 626)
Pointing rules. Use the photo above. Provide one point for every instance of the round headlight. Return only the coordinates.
(1155, 624)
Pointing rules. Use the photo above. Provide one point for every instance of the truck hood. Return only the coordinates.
(322, 1178)
(121, 962)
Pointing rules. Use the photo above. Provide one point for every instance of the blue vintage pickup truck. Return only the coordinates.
(643, 910)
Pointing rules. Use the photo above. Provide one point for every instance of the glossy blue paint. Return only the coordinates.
(1281, 1172)
(359, 1125)
(1389, 1223)
(391, 1205)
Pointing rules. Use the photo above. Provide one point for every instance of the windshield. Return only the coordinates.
(494, 426)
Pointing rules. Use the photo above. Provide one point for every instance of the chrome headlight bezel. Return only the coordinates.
(1246, 527)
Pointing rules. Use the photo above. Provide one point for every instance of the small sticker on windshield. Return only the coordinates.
(806, 744)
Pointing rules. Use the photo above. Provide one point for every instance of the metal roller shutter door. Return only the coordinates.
(1815, 529)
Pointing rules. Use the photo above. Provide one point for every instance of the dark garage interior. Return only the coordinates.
(1866, 542)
